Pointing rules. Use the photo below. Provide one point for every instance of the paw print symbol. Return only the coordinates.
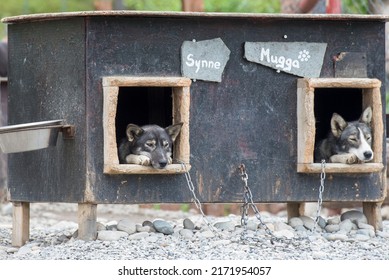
(304, 55)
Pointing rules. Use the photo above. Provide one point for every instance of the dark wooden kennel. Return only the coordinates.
(100, 70)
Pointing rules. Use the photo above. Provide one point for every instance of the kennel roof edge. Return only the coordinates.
(54, 16)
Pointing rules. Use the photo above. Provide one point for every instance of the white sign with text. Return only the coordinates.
(298, 58)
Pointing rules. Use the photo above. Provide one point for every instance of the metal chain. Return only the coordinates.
(321, 190)
(248, 202)
(196, 200)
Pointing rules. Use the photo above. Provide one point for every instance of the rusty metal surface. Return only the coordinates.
(250, 117)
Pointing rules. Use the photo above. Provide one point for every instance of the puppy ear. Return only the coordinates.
(338, 124)
(174, 130)
(133, 131)
(366, 116)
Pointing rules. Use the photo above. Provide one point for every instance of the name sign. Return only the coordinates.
(299, 58)
(204, 60)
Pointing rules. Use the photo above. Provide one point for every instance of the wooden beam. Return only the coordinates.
(20, 223)
(295, 209)
(372, 211)
(87, 216)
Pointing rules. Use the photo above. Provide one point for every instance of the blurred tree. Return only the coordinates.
(192, 5)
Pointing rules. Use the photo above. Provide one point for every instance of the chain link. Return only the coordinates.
(197, 201)
(249, 203)
(321, 190)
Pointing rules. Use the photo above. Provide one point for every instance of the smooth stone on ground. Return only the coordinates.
(188, 224)
(295, 222)
(383, 234)
(24, 250)
(278, 226)
(140, 228)
(149, 224)
(332, 228)
(111, 225)
(227, 225)
(346, 225)
(355, 216)
(309, 223)
(336, 236)
(333, 220)
(186, 233)
(126, 225)
(109, 235)
(368, 232)
(163, 227)
(361, 237)
(321, 222)
(362, 225)
(138, 235)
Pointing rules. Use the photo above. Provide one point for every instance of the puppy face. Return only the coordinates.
(354, 137)
(153, 142)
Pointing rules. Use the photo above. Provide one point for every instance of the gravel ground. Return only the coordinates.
(53, 226)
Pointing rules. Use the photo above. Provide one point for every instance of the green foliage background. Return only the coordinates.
(21, 7)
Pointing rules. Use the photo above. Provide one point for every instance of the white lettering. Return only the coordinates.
(191, 61)
(199, 64)
(282, 62)
(266, 54)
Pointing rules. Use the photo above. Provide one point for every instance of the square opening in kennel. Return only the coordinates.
(317, 100)
(145, 100)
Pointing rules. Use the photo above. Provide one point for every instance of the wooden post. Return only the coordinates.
(20, 223)
(295, 209)
(87, 215)
(372, 211)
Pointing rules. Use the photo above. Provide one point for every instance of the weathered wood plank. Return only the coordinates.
(341, 168)
(146, 81)
(20, 223)
(87, 215)
(372, 211)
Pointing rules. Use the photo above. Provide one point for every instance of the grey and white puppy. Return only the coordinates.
(148, 145)
(347, 142)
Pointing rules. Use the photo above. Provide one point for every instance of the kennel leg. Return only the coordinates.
(372, 211)
(20, 223)
(295, 209)
(87, 216)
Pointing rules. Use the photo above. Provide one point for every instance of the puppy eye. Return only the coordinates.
(150, 144)
(166, 145)
(368, 137)
(353, 139)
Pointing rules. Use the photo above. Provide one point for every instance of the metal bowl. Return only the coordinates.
(29, 136)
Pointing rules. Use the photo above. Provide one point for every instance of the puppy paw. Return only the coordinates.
(169, 160)
(138, 159)
(352, 159)
(344, 158)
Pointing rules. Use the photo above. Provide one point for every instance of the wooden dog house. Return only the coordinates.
(95, 69)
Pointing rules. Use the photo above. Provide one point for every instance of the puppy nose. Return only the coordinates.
(367, 154)
(162, 164)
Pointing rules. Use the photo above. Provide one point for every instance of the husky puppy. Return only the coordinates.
(347, 142)
(148, 145)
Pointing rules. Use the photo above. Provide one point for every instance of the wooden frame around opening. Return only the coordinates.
(181, 104)
(306, 126)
